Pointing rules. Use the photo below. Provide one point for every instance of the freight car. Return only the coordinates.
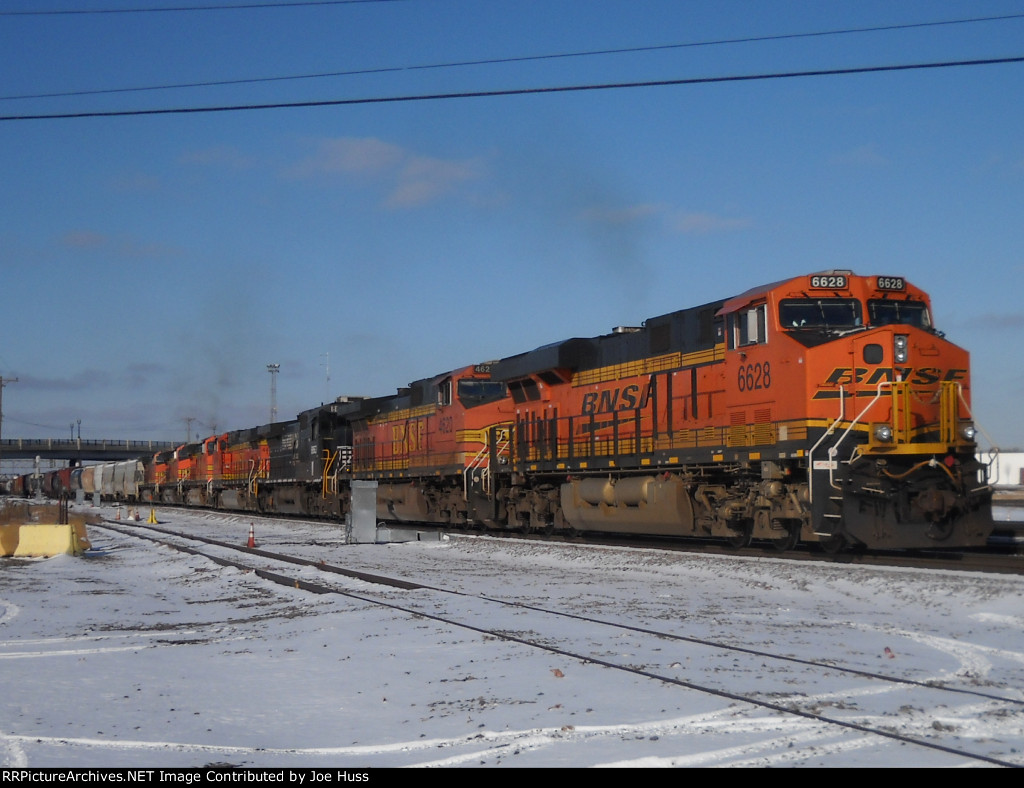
(823, 409)
(113, 481)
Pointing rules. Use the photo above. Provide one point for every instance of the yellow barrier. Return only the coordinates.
(43, 541)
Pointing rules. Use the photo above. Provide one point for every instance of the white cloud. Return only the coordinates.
(136, 181)
(703, 222)
(623, 216)
(349, 155)
(862, 156)
(423, 178)
(84, 239)
(218, 156)
(124, 247)
(409, 179)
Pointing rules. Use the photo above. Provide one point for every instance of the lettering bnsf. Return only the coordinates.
(628, 397)
(922, 376)
(409, 437)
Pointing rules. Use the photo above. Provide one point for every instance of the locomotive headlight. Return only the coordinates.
(967, 431)
(883, 433)
(899, 348)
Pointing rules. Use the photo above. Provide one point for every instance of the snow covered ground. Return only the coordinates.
(142, 656)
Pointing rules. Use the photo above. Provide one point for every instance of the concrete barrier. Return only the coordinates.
(42, 540)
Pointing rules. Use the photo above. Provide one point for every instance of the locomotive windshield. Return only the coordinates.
(473, 392)
(839, 314)
(884, 312)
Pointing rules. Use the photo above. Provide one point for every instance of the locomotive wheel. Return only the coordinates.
(787, 542)
(833, 544)
(742, 539)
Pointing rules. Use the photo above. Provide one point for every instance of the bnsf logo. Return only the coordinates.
(624, 398)
(923, 376)
(409, 437)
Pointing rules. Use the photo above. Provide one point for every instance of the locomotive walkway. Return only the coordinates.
(78, 449)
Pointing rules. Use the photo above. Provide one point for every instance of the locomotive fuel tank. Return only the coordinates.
(657, 505)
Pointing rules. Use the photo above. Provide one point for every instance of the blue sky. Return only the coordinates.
(155, 264)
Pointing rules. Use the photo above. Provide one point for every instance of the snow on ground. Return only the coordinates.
(141, 656)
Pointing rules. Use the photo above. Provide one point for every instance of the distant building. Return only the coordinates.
(1008, 469)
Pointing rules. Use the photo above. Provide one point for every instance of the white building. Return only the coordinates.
(1007, 470)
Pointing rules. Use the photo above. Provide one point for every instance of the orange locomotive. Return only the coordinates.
(430, 447)
(219, 471)
(824, 408)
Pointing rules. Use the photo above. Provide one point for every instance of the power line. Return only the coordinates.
(174, 9)
(520, 59)
(519, 91)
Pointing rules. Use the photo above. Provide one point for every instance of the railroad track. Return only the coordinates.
(1006, 557)
(673, 659)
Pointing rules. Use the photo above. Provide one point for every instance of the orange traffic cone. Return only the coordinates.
(118, 512)
(252, 536)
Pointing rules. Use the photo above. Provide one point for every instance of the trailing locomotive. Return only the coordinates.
(824, 408)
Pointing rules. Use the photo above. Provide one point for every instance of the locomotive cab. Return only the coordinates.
(765, 437)
(845, 379)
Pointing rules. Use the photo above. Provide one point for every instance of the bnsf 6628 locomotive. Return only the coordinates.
(824, 408)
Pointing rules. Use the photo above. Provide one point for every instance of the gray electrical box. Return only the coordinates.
(362, 518)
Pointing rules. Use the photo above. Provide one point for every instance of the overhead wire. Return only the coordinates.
(517, 59)
(190, 8)
(517, 91)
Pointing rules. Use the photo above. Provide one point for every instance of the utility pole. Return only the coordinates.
(2, 384)
(188, 428)
(327, 366)
(273, 369)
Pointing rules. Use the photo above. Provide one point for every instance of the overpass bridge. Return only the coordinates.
(78, 449)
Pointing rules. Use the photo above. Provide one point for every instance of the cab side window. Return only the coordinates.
(748, 327)
(444, 392)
